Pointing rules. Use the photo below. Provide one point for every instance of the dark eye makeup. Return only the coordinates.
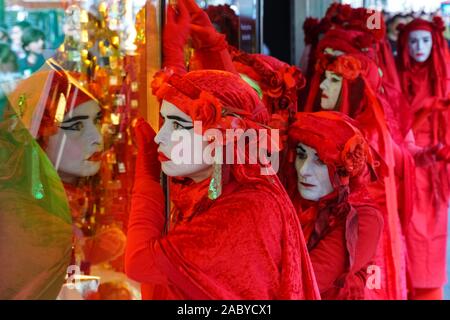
(77, 126)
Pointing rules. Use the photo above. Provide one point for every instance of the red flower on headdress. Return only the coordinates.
(206, 109)
(354, 155)
(290, 80)
(311, 30)
(159, 79)
(439, 23)
(346, 66)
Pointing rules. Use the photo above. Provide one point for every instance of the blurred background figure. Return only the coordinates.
(15, 34)
(33, 43)
(8, 73)
(392, 25)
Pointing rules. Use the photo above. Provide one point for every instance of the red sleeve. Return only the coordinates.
(195, 254)
(369, 223)
(217, 58)
(330, 258)
(146, 223)
(348, 248)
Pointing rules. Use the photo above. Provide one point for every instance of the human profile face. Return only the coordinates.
(331, 88)
(77, 147)
(313, 178)
(36, 47)
(420, 45)
(171, 150)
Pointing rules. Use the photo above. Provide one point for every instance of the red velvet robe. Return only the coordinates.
(343, 257)
(247, 244)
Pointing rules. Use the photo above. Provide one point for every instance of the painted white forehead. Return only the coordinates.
(420, 34)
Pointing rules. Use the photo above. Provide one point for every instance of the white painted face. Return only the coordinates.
(313, 179)
(75, 150)
(180, 158)
(420, 45)
(331, 90)
(36, 47)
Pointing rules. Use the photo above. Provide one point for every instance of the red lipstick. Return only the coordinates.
(307, 185)
(96, 157)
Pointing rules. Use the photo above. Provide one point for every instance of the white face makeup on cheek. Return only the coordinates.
(76, 149)
(420, 45)
(313, 178)
(177, 145)
(331, 90)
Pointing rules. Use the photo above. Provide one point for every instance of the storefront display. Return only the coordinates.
(100, 58)
(103, 51)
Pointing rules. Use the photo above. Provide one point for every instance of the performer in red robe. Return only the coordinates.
(329, 162)
(352, 85)
(424, 68)
(234, 233)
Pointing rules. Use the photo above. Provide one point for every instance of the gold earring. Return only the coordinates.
(215, 186)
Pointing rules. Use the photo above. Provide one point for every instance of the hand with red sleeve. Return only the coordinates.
(147, 218)
(175, 36)
(147, 163)
(211, 47)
